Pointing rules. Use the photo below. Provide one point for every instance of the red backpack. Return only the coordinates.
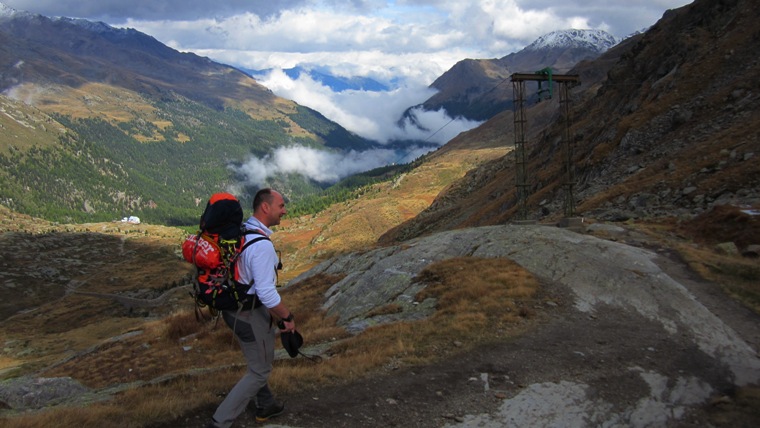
(214, 250)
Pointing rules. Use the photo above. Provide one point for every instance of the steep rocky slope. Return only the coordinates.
(671, 130)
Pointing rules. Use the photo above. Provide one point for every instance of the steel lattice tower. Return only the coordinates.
(565, 81)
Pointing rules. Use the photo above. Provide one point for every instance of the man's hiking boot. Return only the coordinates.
(276, 409)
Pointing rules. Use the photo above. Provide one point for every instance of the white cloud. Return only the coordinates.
(414, 68)
(372, 115)
(318, 165)
(369, 33)
(435, 126)
(119, 10)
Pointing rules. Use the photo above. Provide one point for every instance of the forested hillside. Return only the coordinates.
(99, 170)
(100, 123)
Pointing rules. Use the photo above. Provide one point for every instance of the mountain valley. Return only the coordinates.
(430, 302)
(134, 122)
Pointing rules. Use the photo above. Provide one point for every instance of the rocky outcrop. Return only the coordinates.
(35, 393)
(599, 272)
(633, 347)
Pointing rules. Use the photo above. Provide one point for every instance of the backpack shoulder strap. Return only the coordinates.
(248, 243)
(255, 240)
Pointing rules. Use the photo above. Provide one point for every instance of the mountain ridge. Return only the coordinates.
(475, 88)
(681, 138)
(594, 40)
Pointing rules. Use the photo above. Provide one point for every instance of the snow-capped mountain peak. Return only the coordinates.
(93, 26)
(97, 27)
(6, 11)
(597, 40)
(9, 13)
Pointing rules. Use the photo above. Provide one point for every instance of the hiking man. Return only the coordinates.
(253, 326)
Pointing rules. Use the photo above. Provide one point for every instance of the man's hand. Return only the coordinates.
(287, 324)
(289, 327)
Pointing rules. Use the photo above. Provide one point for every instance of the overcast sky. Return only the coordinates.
(410, 41)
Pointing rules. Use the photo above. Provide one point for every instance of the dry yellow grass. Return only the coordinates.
(356, 225)
(696, 242)
(90, 100)
(468, 300)
(91, 416)
(738, 276)
(24, 127)
(469, 310)
(116, 105)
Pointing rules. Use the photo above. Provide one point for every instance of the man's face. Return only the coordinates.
(275, 209)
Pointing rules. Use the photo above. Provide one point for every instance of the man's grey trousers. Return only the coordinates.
(254, 331)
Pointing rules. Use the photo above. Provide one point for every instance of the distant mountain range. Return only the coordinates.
(466, 89)
(102, 122)
(592, 40)
(478, 89)
(109, 122)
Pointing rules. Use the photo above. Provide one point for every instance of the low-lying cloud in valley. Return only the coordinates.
(319, 165)
(374, 115)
